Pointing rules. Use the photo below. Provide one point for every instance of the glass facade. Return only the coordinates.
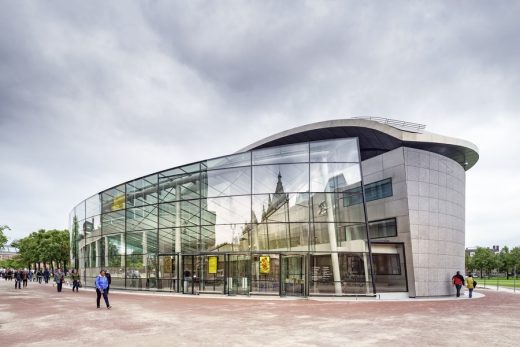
(270, 221)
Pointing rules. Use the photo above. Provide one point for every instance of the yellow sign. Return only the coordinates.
(212, 265)
(167, 265)
(118, 202)
(265, 265)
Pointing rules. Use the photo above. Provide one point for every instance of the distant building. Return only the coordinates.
(341, 207)
(7, 252)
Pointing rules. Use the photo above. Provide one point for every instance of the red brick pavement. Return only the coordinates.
(39, 315)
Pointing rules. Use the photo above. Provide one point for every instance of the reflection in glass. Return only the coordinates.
(240, 159)
(179, 214)
(79, 210)
(298, 153)
(113, 222)
(226, 210)
(141, 242)
(334, 176)
(179, 187)
(281, 207)
(344, 150)
(280, 178)
(93, 205)
(141, 218)
(113, 199)
(142, 191)
(328, 207)
(227, 182)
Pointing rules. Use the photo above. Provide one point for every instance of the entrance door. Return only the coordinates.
(188, 276)
(238, 274)
(293, 275)
(265, 274)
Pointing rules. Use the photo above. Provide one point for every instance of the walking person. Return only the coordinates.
(75, 280)
(470, 284)
(39, 276)
(58, 278)
(101, 288)
(109, 279)
(458, 281)
(30, 275)
(46, 275)
(24, 278)
(18, 279)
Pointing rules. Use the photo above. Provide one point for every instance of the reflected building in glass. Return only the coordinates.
(336, 208)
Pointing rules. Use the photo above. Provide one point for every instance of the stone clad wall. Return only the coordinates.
(436, 202)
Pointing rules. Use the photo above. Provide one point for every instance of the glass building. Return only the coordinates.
(300, 213)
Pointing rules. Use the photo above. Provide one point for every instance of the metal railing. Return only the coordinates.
(395, 123)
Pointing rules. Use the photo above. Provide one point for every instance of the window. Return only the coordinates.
(386, 264)
(373, 191)
(382, 228)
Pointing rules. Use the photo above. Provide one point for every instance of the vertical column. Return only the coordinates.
(145, 249)
(332, 234)
(178, 231)
(123, 250)
(98, 256)
(106, 251)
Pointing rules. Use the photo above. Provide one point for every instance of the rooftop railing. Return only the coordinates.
(395, 123)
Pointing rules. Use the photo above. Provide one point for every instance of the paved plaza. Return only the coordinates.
(38, 315)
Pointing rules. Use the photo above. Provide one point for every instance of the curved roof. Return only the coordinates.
(375, 138)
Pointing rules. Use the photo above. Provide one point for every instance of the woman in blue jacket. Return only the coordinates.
(101, 288)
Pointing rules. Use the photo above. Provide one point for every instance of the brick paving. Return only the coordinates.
(38, 315)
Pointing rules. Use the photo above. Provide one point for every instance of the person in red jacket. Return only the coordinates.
(458, 281)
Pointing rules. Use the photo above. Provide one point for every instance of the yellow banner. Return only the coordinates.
(167, 265)
(118, 203)
(265, 264)
(212, 265)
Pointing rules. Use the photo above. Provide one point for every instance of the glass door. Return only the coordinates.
(265, 274)
(238, 274)
(188, 269)
(293, 275)
(211, 274)
(167, 280)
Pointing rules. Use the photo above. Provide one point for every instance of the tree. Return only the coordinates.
(51, 246)
(470, 264)
(515, 258)
(484, 259)
(505, 261)
(3, 238)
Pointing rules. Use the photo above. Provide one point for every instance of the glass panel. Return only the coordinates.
(142, 191)
(116, 245)
(190, 239)
(276, 208)
(211, 274)
(141, 242)
(280, 178)
(280, 236)
(325, 233)
(92, 226)
(225, 238)
(180, 187)
(167, 241)
(239, 267)
(113, 222)
(113, 199)
(265, 274)
(79, 210)
(167, 273)
(93, 205)
(179, 214)
(141, 218)
(389, 271)
(329, 207)
(183, 170)
(293, 275)
(241, 159)
(227, 182)
(353, 274)
(353, 232)
(227, 210)
(334, 177)
(383, 228)
(378, 190)
(344, 150)
(297, 153)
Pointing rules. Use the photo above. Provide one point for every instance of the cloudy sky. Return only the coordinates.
(96, 93)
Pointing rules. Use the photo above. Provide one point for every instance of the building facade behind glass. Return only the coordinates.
(288, 219)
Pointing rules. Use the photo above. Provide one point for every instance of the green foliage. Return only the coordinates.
(3, 238)
(13, 263)
(44, 246)
(484, 260)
